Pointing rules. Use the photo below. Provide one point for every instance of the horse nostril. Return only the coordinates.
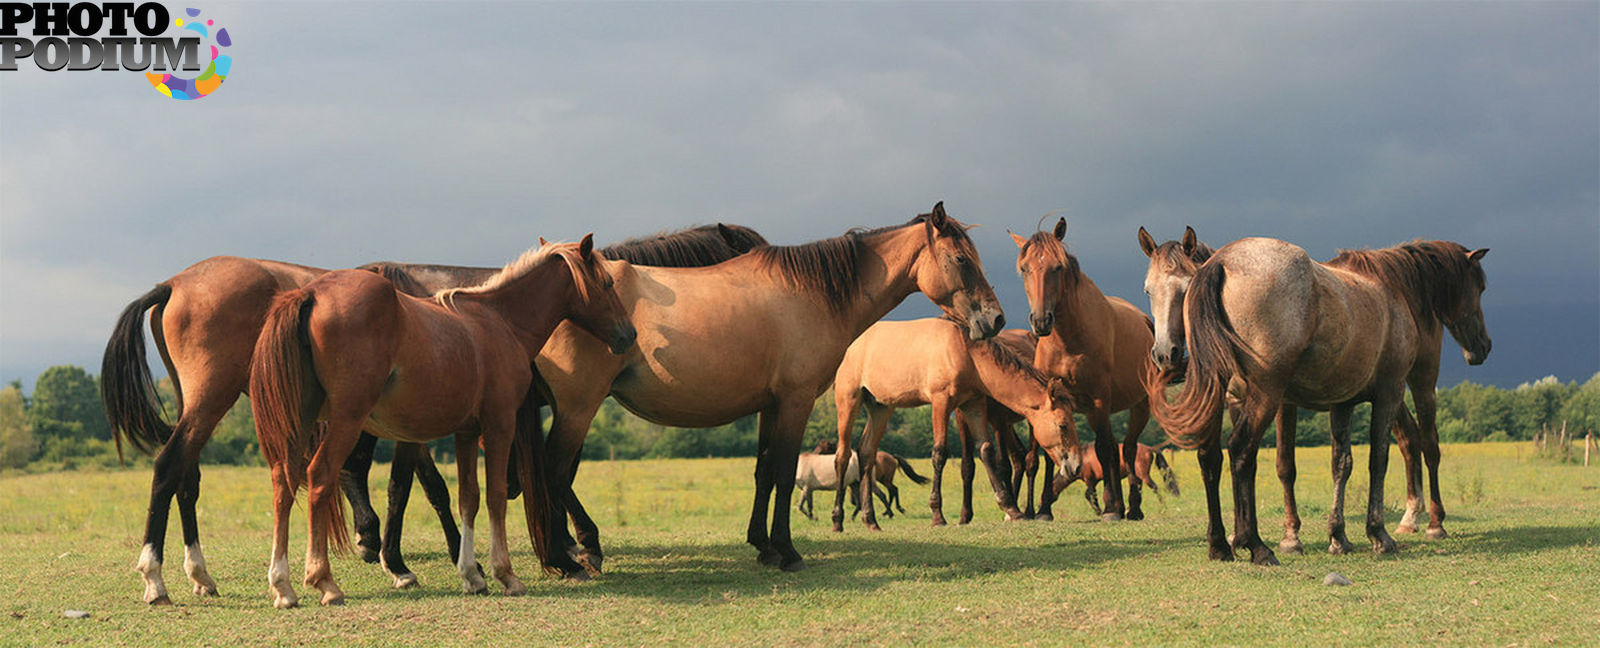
(999, 321)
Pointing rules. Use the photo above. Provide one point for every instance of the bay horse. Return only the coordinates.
(351, 350)
(932, 362)
(1324, 336)
(760, 333)
(1098, 345)
(1173, 265)
(205, 321)
(1092, 472)
(888, 463)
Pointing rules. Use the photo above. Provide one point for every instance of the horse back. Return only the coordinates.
(908, 363)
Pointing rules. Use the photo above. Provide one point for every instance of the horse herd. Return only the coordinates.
(700, 327)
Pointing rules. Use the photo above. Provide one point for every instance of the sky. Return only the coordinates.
(461, 132)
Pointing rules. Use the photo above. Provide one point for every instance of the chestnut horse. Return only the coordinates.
(1172, 266)
(350, 349)
(884, 472)
(1098, 345)
(1092, 472)
(1325, 336)
(761, 333)
(931, 361)
(205, 322)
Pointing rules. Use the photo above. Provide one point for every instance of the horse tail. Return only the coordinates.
(1195, 419)
(127, 390)
(528, 447)
(905, 467)
(284, 393)
(1167, 476)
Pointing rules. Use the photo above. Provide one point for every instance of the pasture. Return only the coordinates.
(1522, 567)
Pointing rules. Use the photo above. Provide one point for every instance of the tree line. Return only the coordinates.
(61, 425)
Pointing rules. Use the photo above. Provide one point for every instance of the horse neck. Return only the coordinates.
(533, 304)
(1083, 318)
(1018, 391)
(888, 275)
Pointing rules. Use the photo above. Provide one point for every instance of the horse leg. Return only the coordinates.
(1138, 417)
(1105, 446)
(888, 509)
(941, 422)
(1091, 494)
(1406, 436)
(563, 448)
(1383, 416)
(1287, 419)
(855, 501)
(194, 562)
(756, 533)
(438, 494)
(1242, 448)
(845, 403)
(322, 499)
(173, 465)
(877, 423)
(1030, 467)
(1425, 400)
(400, 475)
(790, 428)
(805, 502)
(283, 596)
(1210, 457)
(968, 465)
(497, 439)
(353, 481)
(976, 413)
(467, 506)
(1339, 428)
(1047, 490)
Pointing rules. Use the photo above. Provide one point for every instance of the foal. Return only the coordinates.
(1092, 473)
(352, 350)
(885, 470)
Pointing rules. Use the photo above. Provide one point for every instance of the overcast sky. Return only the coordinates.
(459, 133)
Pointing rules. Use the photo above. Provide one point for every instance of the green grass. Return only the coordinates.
(1522, 567)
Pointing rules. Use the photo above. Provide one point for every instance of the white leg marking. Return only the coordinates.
(194, 564)
(155, 589)
(467, 564)
(401, 581)
(283, 596)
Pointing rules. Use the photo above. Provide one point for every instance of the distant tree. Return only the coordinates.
(1582, 409)
(66, 405)
(17, 444)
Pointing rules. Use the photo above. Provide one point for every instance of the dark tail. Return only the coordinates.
(1196, 417)
(527, 447)
(127, 390)
(905, 467)
(1167, 476)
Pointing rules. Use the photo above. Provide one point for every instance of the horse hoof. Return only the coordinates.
(591, 562)
(285, 602)
(578, 576)
(475, 587)
(1222, 554)
(770, 558)
(1291, 547)
(1437, 533)
(369, 555)
(160, 600)
(1406, 528)
(516, 588)
(1110, 517)
(1384, 546)
(405, 581)
(873, 526)
(1045, 517)
(939, 521)
(333, 598)
(798, 564)
(838, 527)
(1264, 558)
(1135, 516)
(1338, 548)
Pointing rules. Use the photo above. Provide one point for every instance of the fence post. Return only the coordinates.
(1588, 439)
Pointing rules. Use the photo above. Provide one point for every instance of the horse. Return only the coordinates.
(351, 350)
(814, 470)
(1092, 473)
(760, 333)
(1321, 335)
(884, 473)
(205, 321)
(1098, 345)
(1173, 265)
(932, 362)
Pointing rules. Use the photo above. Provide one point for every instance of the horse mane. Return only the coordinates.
(1056, 249)
(832, 266)
(686, 248)
(1429, 275)
(399, 277)
(1172, 253)
(521, 266)
(1008, 360)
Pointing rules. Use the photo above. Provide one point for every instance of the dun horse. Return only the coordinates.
(1325, 336)
(1172, 266)
(205, 321)
(760, 333)
(888, 463)
(1092, 473)
(930, 361)
(351, 350)
(1098, 345)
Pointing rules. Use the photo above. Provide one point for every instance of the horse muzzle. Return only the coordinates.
(1476, 357)
(1042, 323)
(986, 324)
(623, 339)
(1170, 359)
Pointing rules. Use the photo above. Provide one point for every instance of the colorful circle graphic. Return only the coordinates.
(214, 74)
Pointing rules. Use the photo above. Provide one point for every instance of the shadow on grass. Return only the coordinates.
(1527, 539)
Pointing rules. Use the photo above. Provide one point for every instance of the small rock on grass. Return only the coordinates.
(75, 614)
(1335, 578)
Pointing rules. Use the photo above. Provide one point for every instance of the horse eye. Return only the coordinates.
(961, 260)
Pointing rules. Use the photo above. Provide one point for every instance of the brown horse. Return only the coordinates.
(1324, 336)
(1173, 265)
(885, 470)
(1093, 472)
(760, 333)
(931, 361)
(1098, 345)
(205, 322)
(351, 350)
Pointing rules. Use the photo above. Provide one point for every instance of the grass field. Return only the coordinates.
(1522, 567)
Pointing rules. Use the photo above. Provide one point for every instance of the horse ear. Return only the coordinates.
(1061, 229)
(727, 235)
(1021, 242)
(1190, 241)
(1477, 255)
(543, 242)
(1146, 243)
(586, 246)
(938, 217)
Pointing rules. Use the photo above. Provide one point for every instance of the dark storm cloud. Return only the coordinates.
(461, 132)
